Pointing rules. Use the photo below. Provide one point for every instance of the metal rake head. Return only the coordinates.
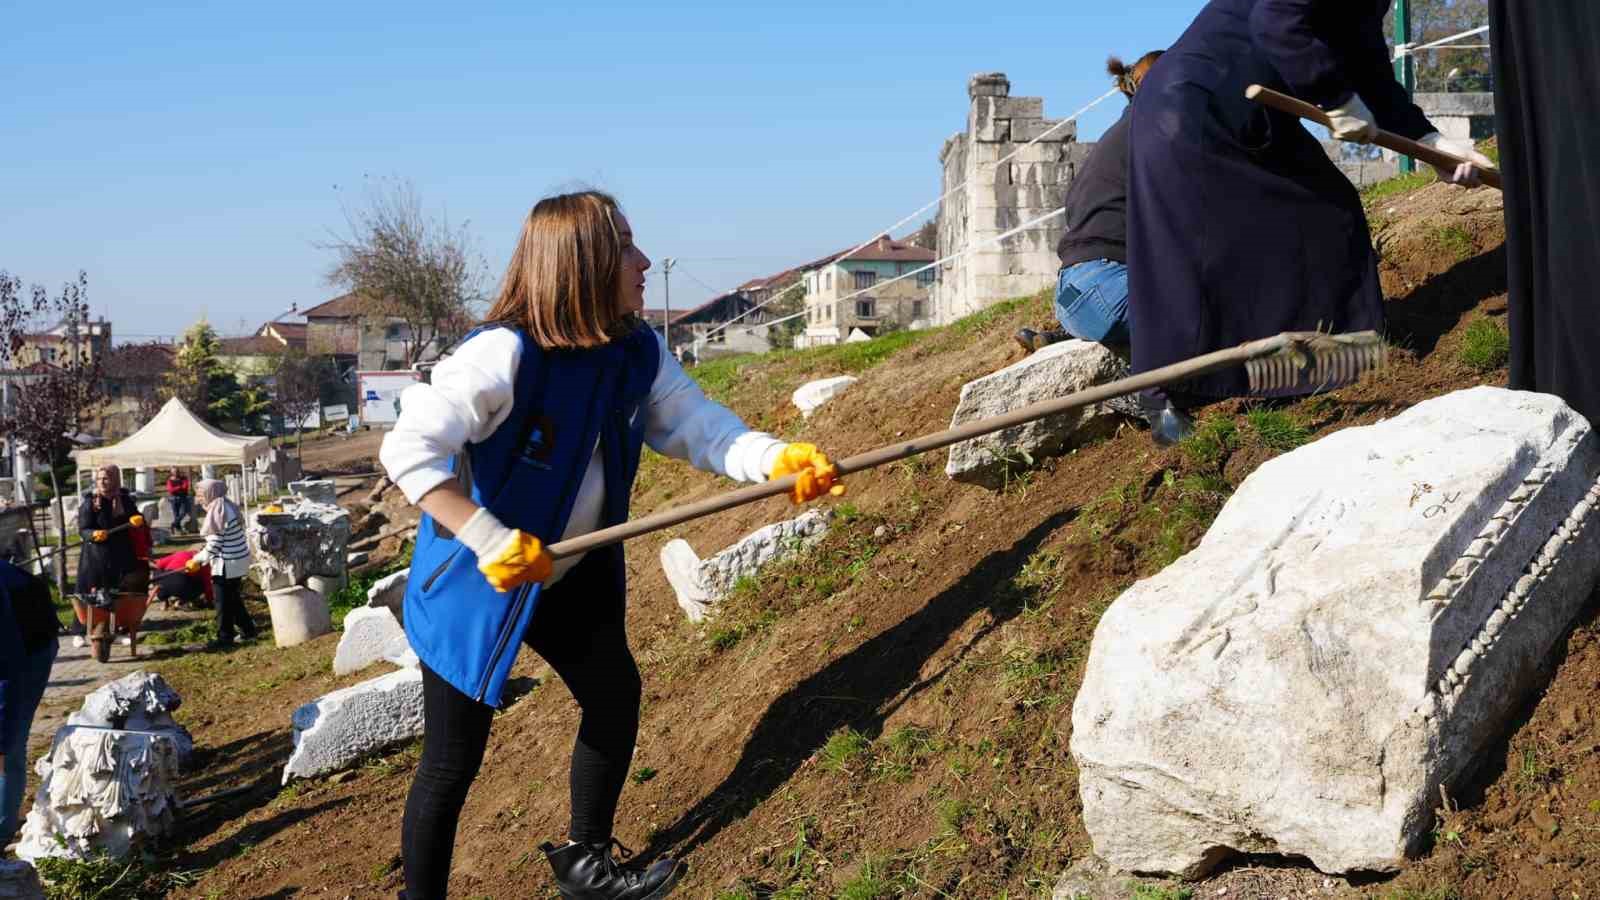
(1311, 361)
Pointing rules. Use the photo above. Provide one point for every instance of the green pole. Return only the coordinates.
(1404, 71)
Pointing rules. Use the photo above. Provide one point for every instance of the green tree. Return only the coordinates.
(204, 383)
(1463, 66)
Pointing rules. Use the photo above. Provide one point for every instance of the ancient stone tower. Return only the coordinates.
(994, 198)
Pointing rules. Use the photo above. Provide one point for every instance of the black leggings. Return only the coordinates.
(231, 613)
(578, 629)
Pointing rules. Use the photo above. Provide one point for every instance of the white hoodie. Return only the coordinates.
(470, 396)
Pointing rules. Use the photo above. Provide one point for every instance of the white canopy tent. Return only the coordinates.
(177, 437)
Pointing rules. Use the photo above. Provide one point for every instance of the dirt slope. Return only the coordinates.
(890, 715)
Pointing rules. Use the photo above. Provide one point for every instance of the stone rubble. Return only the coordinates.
(1055, 371)
(810, 397)
(371, 634)
(1396, 586)
(101, 790)
(139, 701)
(333, 732)
(700, 584)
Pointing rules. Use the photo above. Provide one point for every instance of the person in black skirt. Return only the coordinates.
(1239, 224)
(1546, 81)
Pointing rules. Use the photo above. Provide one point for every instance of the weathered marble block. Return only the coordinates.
(700, 584)
(371, 634)
(138, 701)
(306, 539)
(336, 730)
(316, 490)
(1055, 371)
(810, 397)
(101, 790)
(298, 615)
(1360, 622)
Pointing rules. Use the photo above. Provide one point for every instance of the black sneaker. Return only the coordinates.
(588, 872)
(1031, 340)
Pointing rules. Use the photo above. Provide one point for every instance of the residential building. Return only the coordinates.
(54, 346)
(341, 328)
(131, 380)
(860, 292)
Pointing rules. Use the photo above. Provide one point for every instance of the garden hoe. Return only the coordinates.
(1305, 361)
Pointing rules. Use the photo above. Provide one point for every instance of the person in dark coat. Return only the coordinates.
(27, 651)
(108, 560)
(1546, 82)
(1239, 224)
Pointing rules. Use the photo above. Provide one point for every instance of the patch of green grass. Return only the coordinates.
(955, 812)
(718, 377)
(869, 883)
(1208, 446)
(1438, 892)
(902, 751)
(199, 631)
(1032, 678)
(1159, 892)
(354, 593)
(1400, 184)
(1485, 346)
(1275, 429)
(137, 877)
(978, 321)
(643, 774)
(844, 747)
(1453, 240)
(857, 357)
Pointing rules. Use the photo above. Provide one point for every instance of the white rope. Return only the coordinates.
(1401, 50)
(919, 211)
(936, 263)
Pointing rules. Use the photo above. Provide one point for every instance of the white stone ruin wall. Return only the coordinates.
(997, 198)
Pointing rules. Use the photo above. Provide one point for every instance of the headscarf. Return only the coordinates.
(112, 500)
(219, 509)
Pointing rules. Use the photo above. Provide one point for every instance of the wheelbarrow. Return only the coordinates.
(103, 612)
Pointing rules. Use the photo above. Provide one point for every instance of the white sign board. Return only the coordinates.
(380, 395)
(312, 420)
(337, 413)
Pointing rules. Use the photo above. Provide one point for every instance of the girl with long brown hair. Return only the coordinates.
(530, 433)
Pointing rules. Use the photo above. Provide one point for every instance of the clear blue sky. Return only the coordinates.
(189, 157)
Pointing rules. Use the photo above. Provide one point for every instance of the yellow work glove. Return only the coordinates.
(507, 557)
(192, 567)
(99, 536)
(136, 521)
(814, 474)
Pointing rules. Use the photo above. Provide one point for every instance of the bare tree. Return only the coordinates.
(1462, 66)
(55, 396)
(405, 264)
(297, 387)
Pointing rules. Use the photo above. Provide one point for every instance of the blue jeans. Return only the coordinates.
(23, 692)
(1092, 301)
(182, 508)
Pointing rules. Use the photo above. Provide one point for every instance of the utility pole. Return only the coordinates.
(1404, 70)
(666, 282)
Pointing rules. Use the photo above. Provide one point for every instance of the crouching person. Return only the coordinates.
(530, 433)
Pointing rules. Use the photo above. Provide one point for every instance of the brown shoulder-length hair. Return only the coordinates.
(562, 283)
(1128, 77)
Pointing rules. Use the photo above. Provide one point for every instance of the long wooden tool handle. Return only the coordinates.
(1181, 371)
(65, 547)
(1387, 139)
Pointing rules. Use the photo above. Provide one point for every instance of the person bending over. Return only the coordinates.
(529, 433)
(1239, 224)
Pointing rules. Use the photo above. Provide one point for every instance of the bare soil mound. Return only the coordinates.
(889, 715)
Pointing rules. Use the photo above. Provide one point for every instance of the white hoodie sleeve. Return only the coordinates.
(682, 421)
(467, 398)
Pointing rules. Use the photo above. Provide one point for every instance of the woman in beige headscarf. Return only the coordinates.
(228, 554)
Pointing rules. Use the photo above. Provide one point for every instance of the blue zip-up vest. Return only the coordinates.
(462, 628)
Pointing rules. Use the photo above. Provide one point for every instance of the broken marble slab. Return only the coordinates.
(138, 701)
(101, 790)
(335, 731)
(1363, 619)
(700, 583)
(1055, 371)
(810, 397)
(371, 634)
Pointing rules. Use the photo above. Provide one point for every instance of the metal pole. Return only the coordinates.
(1404, 70)
(666, 281)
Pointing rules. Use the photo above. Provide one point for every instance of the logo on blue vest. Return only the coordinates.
(541, 443)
